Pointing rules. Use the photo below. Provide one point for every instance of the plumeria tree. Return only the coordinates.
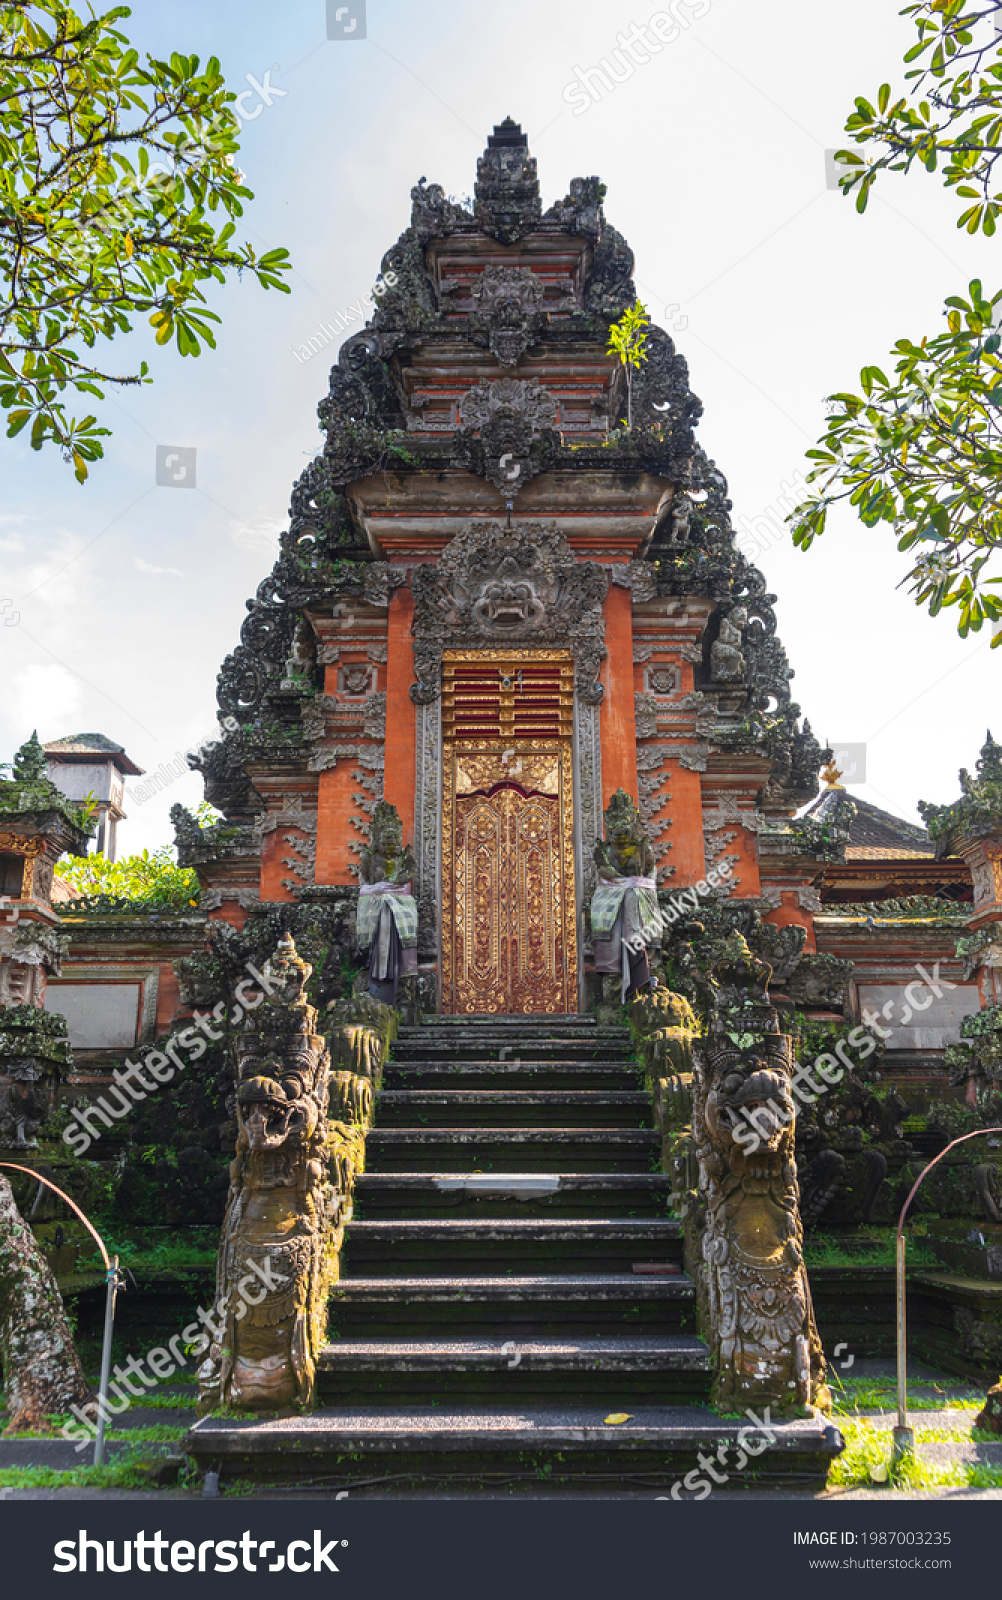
(118, 194)
(920, 449)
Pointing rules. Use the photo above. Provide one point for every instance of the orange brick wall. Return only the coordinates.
(401, 712)
(790, 911)
(685, 808)
(273, 869)
(168, 997)
(618, 726)
(335, 831)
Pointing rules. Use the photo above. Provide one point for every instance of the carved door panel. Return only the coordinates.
(508, 933)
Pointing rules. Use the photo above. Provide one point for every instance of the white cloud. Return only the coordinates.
(156, 572)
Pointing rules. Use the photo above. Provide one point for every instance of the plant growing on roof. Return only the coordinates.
(628, 341)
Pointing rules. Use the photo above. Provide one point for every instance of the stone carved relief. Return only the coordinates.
(497, 585)
(428, 824)
(589, 776)
(727, 664)
(500, 422)
(637, 576)
(379, 581)
(356, 680)
(766, 1346)
(326, 758)
(374, 716)
(508, 312)
(303, 858)
(692, 756)
(652, 711)
(280, 1208)
(212, 899)
(371, 784)
(663, 680)
(652, 797)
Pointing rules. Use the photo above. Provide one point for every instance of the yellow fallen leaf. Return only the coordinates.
(618, 1416)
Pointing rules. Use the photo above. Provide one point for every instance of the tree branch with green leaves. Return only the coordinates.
(110, 173)
(922, 451)
(950, 120)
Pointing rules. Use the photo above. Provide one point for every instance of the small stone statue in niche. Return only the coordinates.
(727, 663)
(624, 910)
(387, 910)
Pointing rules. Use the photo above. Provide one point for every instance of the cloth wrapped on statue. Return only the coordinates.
(624, 920)
(386, 927)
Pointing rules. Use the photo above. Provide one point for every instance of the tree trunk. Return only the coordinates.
(41, 1368)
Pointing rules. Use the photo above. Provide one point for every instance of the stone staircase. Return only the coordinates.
(512, 1276)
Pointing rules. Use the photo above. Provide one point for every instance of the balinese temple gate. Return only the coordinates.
(498, 603)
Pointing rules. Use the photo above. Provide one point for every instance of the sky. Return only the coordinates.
(120, 598)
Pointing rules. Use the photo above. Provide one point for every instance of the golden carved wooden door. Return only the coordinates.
(509, 913)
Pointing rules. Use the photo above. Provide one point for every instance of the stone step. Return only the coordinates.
(657, 1370)
(544, 1150)
(592, 1195)
(493, 1048)
(531, 1448)
(514, 1108)
(555, 1303)
(488, 1043)
(523, 1245)
(516, 1072)
(530, 1020)
(512, 1073)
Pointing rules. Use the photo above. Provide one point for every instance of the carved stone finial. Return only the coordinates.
(978, 813)
(30, 761)
(506, 194)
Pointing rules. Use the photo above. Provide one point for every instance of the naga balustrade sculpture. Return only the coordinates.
(756, 1298)
(275, 1262)
(303, 1104)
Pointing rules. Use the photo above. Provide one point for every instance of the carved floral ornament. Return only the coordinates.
(516, 584)
(21, 845)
